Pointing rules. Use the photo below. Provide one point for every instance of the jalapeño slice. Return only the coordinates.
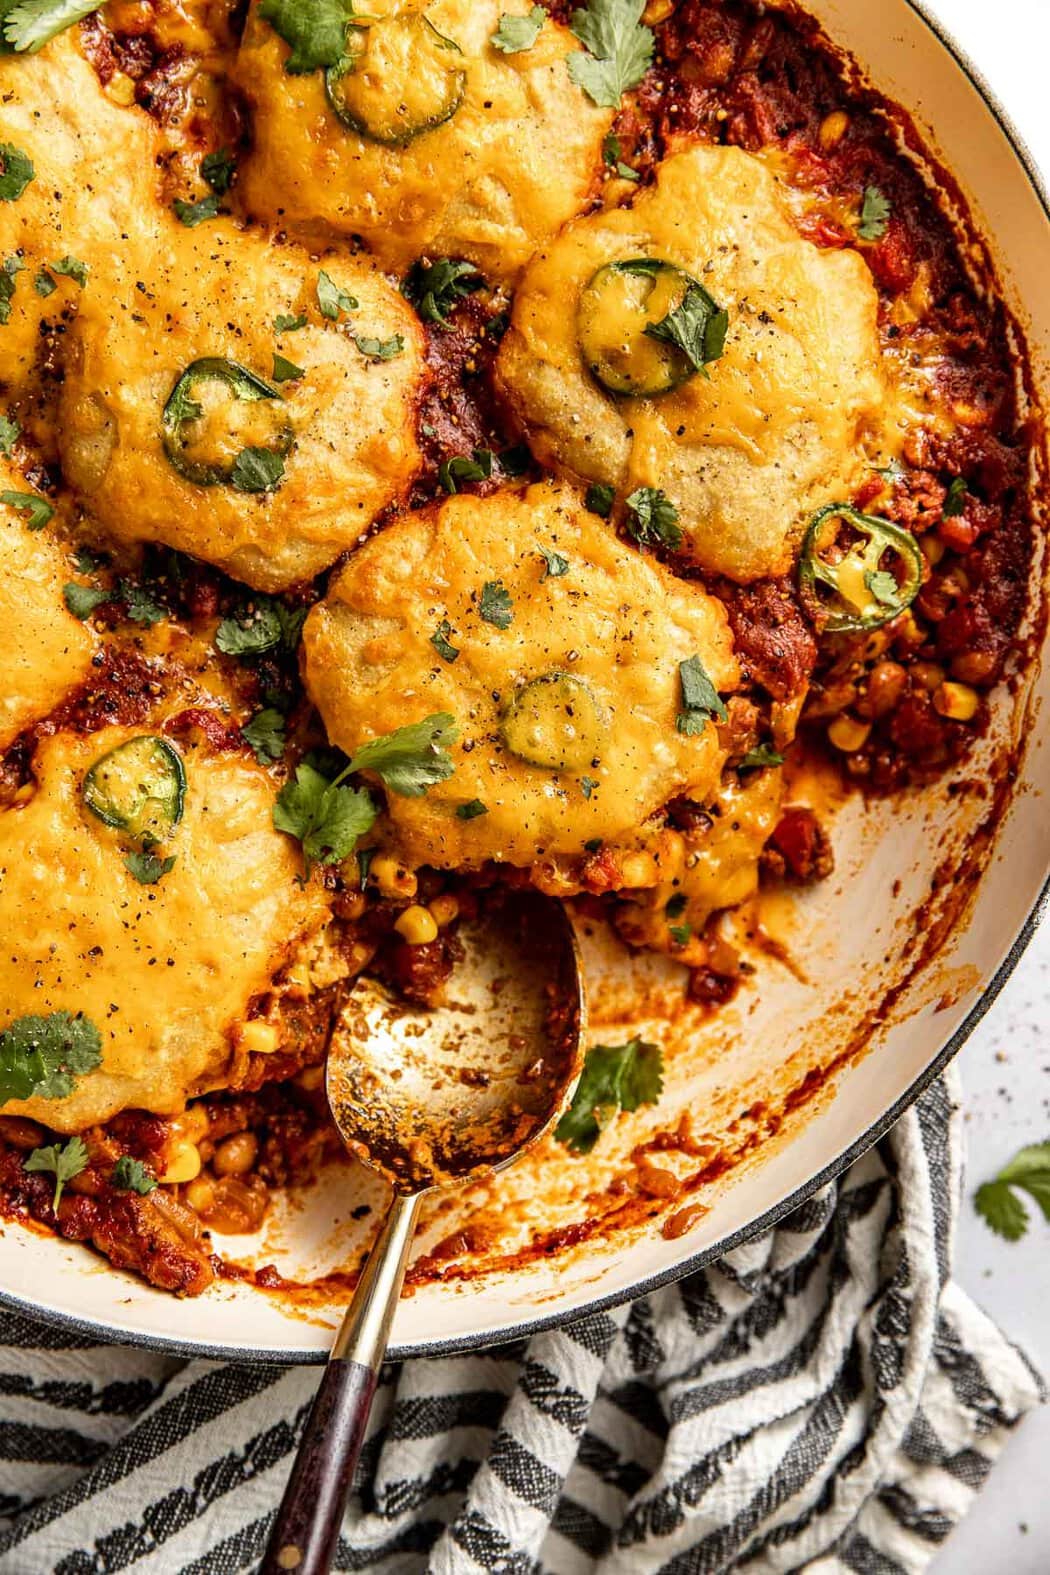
(216, 410)
(139, 788)
(857, 571)
(399, 78)
(645, 326)
(555, 721)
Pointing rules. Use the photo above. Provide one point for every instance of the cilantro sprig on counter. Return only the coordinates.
(44, 1056)
(615, 1078)
(617, 49)
(997, 1201)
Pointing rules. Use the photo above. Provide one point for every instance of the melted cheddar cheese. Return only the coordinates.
(614, 628)
(748, 450)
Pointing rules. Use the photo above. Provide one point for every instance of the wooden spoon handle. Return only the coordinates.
(306, 1531)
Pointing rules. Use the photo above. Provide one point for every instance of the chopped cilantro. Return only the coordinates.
(43, 283)
(554, 564)
(681, 934)
(71, 268)
(332, 298)
(285, 371)
(83, 599)
(131, 1175)
(697, 326)
(64, 1161)
(9, 430)
(412, 758)
(285, 323)
(652, 518)
(43, 1056)
(29, 24)
(495, 605)
(37, 510)
(265, 735)
(612, 153)
(874, 215)
(459, 468)
(217, 171)
(517, 33)
(12, 266)
(615, 1077)
(441, 642)
(471, 810)
(434, 287)
(193, 213)
(955, 498)
(997, 1202)
(315, 29)
(883, 586)
(16, 169)
(147, 868)
(700, 698)
(263, 624)
(588, 785)
(600, 499)
(617, 49)
(762, 755)
(326, 817)
(140, 605)
(380, 349)
(256, 470)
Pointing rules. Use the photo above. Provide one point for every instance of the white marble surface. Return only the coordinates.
(1006, 1065)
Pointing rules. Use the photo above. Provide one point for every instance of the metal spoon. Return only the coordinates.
(430, 1098)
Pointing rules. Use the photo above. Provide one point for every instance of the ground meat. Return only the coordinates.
(774, 644)
(799, 848)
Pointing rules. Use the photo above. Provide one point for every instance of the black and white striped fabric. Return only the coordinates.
(824, 1398)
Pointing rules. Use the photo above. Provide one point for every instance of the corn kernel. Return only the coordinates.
(933, 550)
(200, 1194)
(391, 877)
(184, 1164)
(121, 89)
(958, 702)
(833, 128)
(847, 734)
(259, 1037)
(417, 925)
(657, 11)
(637, 870)
(444, 908)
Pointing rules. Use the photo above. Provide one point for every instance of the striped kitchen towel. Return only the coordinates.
(822, 1399)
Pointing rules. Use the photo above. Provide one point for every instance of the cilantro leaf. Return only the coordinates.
(998, 1204)
(256, 470)
(44, 1056)
(471, 810)
(554, 564)
(324, 816)
(285, 323)
(681, 934)
(434, 287)
(459, 468)
(265, 735)
(380, 349)
(139, 604)
(588, 785)
(64, 1160)
(600, 499)
(36, 509)
(441, 642)
(285, 371)
(43, 284)
(9, 430)
(412, 758)
(332, 298)
(315, 29)
(263, 624)
(71, 268)
(612, 153)
(697, 326)
(883, 587)
(131, 1175)
(147, 868)
(12, 267)
(517, 33)
(16, 168)
(955, 498)
(619, 49)
(83, 599)
(761, 755)
(700, 698)
(29, 25)
(193, 213)
(217, 171)
(615, 1077)
(874, 215)
(495, 605)
(653, 518)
